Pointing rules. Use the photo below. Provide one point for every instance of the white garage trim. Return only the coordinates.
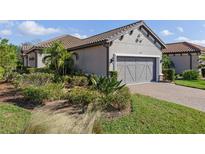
(135, 55)
(115, 55)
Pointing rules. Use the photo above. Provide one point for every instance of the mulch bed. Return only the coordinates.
(10, 94)
(114, 113)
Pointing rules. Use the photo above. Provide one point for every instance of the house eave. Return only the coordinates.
(182, 52)
(88, 45)
(141, 24)
(154, 35)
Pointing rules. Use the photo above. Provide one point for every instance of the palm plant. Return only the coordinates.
(106, 85)
(58, 58)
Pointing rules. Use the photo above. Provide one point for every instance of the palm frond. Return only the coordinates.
(45, 59)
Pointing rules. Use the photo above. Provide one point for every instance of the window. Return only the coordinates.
(76, 56)
(31, 58)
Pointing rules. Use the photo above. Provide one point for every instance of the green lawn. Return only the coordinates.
(200, 84)
(151, 115)
(148, 115)
(12, 119)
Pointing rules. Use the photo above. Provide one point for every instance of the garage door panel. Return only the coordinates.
(140, 73)
(136, 69)
(145, 72)
(149, 71)
(130, 73)
(121, 71)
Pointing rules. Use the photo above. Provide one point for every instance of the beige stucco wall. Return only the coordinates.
(25, 60)
(40, 59)
(32, 63)
(92, 60)
(31, 59)
(128, 45)
(195, 61)
(182, 62)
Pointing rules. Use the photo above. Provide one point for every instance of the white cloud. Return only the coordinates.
(182, 38)
(166, 33)
(5, 32)
(181, 29)
(200, 42)
(79, 35)
(33, 28)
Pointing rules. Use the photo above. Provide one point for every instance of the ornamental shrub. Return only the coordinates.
(118, 100)
(36, 79)
(203, 72)
(169, 74)
(72, 81)
(83, 96)
(113, 74)
(48, 92)
(1, 72)
(39, 70)
(190, 75)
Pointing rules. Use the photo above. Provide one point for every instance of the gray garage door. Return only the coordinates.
(136, 69)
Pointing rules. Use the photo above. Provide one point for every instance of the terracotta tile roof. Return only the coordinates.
(72, 43)
(183, 47)
(67, 41)
(108, 35)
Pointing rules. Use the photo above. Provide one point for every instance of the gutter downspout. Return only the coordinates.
(107, 45)
(190, 61)
(107, 60)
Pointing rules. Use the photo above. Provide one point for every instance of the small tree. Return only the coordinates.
(8, 57)
(166, 62)
(58, 58)
(202, 61)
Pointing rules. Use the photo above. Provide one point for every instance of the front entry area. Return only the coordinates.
(136, 69)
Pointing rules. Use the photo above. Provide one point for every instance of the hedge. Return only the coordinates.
(169, 74)
(190, 75)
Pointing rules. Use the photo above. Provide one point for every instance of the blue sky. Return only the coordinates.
(20, 31)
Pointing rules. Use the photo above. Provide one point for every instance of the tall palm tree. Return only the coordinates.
(58, 58)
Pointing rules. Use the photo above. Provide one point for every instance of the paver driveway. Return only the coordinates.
(190, 97)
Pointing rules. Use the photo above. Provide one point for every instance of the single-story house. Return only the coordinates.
(184, 55)
(134, 51)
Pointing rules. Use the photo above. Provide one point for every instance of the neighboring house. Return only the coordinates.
(134, 51)
(184, 55)
(32, 56)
